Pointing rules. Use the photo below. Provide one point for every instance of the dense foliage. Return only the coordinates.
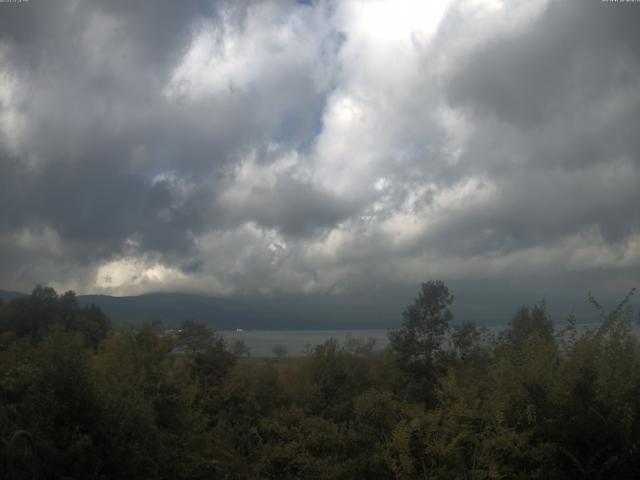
(79, 400)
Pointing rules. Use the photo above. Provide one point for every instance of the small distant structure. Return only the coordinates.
(280, 351)
(170, 333)
(238, 330)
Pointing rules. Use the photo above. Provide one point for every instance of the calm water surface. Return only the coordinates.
(261, 343)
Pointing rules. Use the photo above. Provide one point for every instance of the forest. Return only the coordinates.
(82, 399)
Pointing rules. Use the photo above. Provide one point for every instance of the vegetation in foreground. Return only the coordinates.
(80, 400)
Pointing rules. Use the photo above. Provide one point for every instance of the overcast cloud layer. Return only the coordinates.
(318, 147)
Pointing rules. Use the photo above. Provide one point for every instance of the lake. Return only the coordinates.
(296, 342)
(262, 342)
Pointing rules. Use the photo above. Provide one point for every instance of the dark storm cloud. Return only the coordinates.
(555, 107)
(154, 30)
(573, 52)
(293, 208)
(107, 159)
(290, 146)
(96, 206)
(536, 208)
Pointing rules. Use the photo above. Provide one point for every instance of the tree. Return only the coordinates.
(279, 351)
(209, 359)
(420, 340)
(35, 316)
(240, 349)
(529, 321)
(467, 342)
(195, 337)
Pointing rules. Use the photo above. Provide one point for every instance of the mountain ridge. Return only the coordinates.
(282, 313)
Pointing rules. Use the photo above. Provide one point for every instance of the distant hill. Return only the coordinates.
(7, 295)
(311, 312)
(282, 313)
(172, 308)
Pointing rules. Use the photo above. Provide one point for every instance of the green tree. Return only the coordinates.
(529, 321)
(467, 342)
(35, 316)
(206, 353)
(279, 351)
(420, 341)
(240, 349)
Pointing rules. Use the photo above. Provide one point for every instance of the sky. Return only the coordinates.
(348, 149)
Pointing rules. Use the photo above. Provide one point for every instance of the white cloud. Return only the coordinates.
(227, 56)
(293, 148)
(126, 273)
(14, 118)
(38, 242)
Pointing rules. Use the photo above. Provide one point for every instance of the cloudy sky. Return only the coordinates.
(273, 148)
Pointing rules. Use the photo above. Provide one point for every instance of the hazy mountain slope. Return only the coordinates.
(172, 308)
(7, 295)
(311, 312)
(223, 314)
